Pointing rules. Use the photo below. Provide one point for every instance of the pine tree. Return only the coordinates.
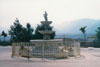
(29, 31)
(17, 32)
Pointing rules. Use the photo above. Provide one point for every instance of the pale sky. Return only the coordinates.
(59, 11)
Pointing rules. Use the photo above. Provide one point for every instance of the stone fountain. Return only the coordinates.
(55, 47)
(46, 33)
(46, 47)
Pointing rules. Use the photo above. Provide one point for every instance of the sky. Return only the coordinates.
(59, 11)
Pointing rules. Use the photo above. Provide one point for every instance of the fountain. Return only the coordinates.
(55, 47)
(46, 33)
(46, 47)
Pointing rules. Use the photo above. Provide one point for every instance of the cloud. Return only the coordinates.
(61, 12)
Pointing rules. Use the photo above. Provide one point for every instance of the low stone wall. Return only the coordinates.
(86, 44)
(89, 44)
(47, 48)
(96, 44)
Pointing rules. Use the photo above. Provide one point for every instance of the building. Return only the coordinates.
(92, 38)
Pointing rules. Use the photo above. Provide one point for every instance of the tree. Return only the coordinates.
(98, 33)
(19, 33)
(82, 29)
(4, 34)
(29, 32)
(37, 35)
(16, 31)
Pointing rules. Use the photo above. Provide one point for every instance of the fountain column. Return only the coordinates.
(46, 33)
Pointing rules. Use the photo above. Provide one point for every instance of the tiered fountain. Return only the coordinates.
(53, 47)
(47, 47)
(46, 33)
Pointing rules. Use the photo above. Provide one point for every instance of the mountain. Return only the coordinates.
(74, 26)
(6, 39)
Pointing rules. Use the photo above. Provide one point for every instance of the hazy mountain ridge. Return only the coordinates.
(92, 25)
(6, 39)
(74, 26)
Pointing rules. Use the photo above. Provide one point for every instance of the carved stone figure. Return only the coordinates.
(45, 16)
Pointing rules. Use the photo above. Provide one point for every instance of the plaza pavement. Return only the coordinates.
(90, 57)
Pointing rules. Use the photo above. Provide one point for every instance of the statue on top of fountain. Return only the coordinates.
(45, 16)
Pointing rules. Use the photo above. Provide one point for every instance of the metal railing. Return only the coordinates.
(45, 50)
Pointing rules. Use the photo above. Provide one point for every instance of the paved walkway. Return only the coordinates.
(90, 57)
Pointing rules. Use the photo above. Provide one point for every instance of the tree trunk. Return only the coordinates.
(4, 39)
(85, 37)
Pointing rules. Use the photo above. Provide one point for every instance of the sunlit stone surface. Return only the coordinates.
(90, 57)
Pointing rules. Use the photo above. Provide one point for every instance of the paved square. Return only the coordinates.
(90, 57)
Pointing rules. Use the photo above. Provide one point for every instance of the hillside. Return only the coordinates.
(74, 26)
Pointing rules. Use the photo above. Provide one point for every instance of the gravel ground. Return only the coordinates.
(90, 57)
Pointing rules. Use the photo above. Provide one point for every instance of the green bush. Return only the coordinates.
(2, 43)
